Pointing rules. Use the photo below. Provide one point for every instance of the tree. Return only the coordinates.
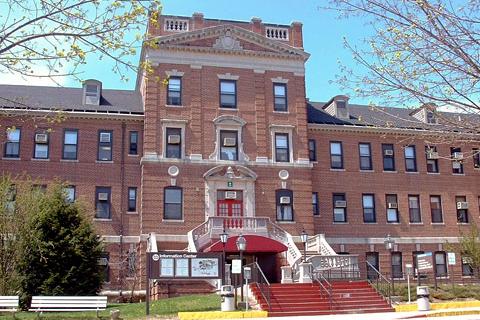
(60, 253)
(17, 204)
(469, 248)
(421, 52)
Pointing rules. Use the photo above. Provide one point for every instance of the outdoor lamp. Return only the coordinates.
(304, 238)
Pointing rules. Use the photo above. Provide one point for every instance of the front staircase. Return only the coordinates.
(305, 299)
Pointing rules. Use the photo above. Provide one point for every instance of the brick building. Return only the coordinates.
(230, 142)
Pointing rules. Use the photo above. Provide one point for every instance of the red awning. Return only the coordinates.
(254, 244)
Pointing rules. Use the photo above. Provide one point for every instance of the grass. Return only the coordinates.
(162, 308)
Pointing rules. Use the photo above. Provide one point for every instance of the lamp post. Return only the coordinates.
(389, 244)
(304, 237)
(241, 246)
(224, 239)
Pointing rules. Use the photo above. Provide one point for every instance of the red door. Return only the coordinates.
(233, 209)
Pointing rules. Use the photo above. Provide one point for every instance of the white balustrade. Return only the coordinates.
(276, 33)
(176, 25)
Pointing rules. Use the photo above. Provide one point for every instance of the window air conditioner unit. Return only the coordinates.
(432, 155)
(105, 137)
(456, 165)
(229, 142)
(174, 139)
(462, 205)
(340, 204)
(284, 200)
(392, 205)
(457, 155)
(103, 196)
(388, 152)
(102, 262)
(230, 195)
(41, 138)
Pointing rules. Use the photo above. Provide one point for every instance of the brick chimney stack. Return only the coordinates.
(197, 21)
(257, 25)
(297, 36)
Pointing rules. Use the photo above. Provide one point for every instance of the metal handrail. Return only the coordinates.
(262, 282)
(318, 277)
(378, 286)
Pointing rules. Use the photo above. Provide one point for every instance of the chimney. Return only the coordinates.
(297, 36)
(197, 21)
(257, 25)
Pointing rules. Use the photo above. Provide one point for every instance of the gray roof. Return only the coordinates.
(69, 99)
(363, 115)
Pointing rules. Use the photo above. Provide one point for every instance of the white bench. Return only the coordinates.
(9, 303)
(68, 303)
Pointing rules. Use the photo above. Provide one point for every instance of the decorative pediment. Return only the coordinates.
(229, 38)
(230, 120)
(230, 172)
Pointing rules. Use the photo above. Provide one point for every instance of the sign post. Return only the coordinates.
(171, 265)
(425, 263)
(451, 262)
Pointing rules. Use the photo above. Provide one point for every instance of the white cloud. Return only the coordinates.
(8, 77)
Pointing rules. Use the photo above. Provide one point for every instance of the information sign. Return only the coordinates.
(451, 259)
(237, 266)
(424, 261)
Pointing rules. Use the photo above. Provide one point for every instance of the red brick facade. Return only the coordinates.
(202, 55)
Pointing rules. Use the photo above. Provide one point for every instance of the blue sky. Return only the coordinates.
(323, 38)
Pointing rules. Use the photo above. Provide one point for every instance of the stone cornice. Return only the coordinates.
(385, 130)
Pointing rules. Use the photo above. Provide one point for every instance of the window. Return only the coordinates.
(173, 143)
(467, 269)
(70, 144)
(12, 146)
(462, 209)
(41, 145)
(316, 211)
(133, 147)
(131, 262)
(103, 262)
(339, 207)
(476, 158)
(102, 203)
(365, 156)
(392, 208)
(410, 159)
(397, 271)
(414, 209)
(388, 157)
(105, 145)
(280, 97)
(174, 93)
(92, 92)
(228, 94)
(368, 201)
(132, 199)
(440, 264)
(284, 199)
(457, 158)
(432, 159)
(312, 150)
(228, 145)
(282, 149)
(336, 157)
(69, 192)
(372, 265)
(436, 209)
(173, 204)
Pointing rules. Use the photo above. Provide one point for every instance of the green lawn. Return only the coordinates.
(164, 307)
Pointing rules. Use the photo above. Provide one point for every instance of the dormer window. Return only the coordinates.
(431, 118)
(338, 107)
(92, 90)
(342, 111)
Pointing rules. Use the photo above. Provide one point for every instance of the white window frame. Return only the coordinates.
(282, 129)
(173, 123)
(229, 123)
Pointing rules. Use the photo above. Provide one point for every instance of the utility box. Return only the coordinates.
(228, 300)
(423, 295)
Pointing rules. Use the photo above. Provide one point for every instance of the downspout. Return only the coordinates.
(122, 205)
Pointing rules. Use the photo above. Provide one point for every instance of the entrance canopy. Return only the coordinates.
(255, 244)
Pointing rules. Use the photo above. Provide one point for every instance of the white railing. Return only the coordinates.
(320, 263)
(176, 25)
(276, 33)
(318, 244)
(200, 236)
